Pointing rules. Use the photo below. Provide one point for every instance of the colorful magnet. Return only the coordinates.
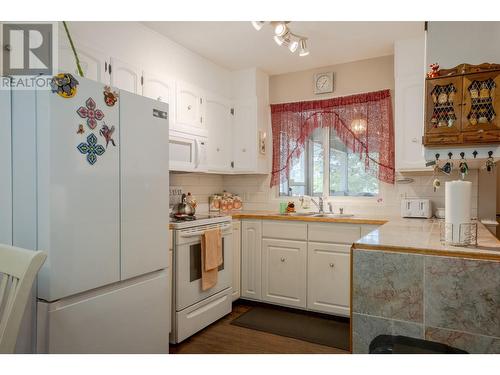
(80, 130)
(110, 97)
(107, 133)
(90, 113)
(64, 84)
(91, 148)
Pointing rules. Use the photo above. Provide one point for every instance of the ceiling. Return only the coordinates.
(237, 45)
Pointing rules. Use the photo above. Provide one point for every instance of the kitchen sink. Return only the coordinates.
(333, 216)
(316, 214)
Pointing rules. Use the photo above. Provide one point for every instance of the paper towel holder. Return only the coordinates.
(467, 235)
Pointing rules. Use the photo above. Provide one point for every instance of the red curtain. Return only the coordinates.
(363, 122)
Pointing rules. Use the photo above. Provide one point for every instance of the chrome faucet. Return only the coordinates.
(319, 204)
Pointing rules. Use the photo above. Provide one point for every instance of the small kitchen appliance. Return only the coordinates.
(416, 208)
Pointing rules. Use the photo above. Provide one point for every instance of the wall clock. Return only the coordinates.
(323, 83)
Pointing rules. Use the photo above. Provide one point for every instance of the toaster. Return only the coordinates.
(414, 207)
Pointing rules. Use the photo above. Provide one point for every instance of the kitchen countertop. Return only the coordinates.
(267, 215)
(423, 236)
(398, 234)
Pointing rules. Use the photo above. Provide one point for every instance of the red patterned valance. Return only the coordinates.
(363, 122)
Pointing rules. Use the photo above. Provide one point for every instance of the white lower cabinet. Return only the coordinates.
(299, 264)
(284, 267)
(328, 277)
(236, 260)
(251, 255)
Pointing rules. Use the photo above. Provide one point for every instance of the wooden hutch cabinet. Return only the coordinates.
(462, 106)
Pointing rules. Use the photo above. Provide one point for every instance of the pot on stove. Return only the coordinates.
(183, 209)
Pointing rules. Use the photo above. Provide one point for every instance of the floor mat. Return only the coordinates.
(330, 331)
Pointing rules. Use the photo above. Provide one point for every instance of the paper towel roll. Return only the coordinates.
(457, 207)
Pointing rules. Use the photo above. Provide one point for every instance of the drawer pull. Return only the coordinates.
(283, 260)
(332, 265)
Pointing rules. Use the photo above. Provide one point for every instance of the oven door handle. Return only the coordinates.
(199, 233)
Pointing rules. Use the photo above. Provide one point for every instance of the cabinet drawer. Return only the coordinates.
(440, 139)
(339, 233)
(482, 136)
(284, 230)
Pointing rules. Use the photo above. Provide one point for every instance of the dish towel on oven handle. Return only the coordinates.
(211, 257)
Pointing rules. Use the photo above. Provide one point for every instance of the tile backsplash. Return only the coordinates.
(256, 194)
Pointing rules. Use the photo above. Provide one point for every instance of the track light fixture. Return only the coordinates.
(258, 24)
(283, 36)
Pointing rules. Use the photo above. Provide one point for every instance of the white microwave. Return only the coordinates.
(187, 153)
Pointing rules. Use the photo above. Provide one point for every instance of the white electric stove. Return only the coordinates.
(192, 308)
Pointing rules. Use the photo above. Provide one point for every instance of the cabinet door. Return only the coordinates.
(481, 103)
(245, 136)
(161, 89)
(236, 259)
(218, 120)
(93, 63)
(125, 76)
(284, 266)
(251, 255)
(189, 114)
(328, 280)
(409, 61)
(443, 106)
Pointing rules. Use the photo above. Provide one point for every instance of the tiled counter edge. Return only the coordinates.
(452, 300)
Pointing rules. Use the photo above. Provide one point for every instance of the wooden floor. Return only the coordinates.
(224, 338)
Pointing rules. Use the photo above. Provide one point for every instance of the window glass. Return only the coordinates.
(344, 174)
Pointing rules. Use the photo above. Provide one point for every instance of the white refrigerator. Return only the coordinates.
(90, 188)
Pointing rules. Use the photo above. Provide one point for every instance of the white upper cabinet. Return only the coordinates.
(409, 75)
(161, 89)
(190, 110)
(245, 136)
(94, 64)
(125, 76)
(219, 124)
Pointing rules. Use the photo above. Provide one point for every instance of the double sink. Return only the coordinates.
(317, 214)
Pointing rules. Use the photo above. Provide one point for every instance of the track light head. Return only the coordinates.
(280, 28)
(293, 45)
(258, 24)
(304, 51)
(282, 40)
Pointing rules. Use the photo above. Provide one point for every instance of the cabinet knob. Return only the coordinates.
(414, 140)
(283, 260)
(244, 149)
(218, 149)
(332, 265)
(189, 107)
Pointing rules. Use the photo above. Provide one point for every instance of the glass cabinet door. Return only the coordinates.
(444, 101)
(481, 102)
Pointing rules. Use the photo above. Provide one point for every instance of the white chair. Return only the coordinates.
(18, 269)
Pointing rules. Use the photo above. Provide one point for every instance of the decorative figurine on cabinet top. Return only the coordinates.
(434, 72)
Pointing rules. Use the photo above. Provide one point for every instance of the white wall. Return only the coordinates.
(452, 43)
(138, 45)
